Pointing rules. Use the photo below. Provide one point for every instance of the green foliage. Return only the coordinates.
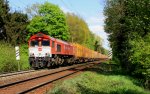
(4, 9)
(12, 32)
(98, 45)
(117, 33)
(81, 34)
(141, 58)
(12, 25)
(98, 82)
(51, 20)
(16, 28)
(128, 26)
(8, 61)
(77, 28)
(24, 56)
(7, 58)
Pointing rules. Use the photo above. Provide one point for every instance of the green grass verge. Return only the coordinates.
(8, 61)
(24, 57)
(99, 81)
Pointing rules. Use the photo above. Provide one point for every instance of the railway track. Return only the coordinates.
(15, 73)
(31, 84)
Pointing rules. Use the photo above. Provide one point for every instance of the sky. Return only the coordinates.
(90, 10)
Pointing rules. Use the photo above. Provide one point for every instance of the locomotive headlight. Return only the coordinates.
(47, 54)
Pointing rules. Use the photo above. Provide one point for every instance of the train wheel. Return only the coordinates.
(33, 66)
(48, 65)
(56, 61)
(62, 61)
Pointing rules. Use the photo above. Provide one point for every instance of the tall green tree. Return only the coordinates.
(4, 13)
(115, 27)
(12, 25)
(98, 45)
(138, 21)
(16, 28)
(81, 34)
(128, 25)
(51, 20)
(76, 30)
(79, 31)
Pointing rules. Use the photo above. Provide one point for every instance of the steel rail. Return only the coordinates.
(32, 78)
(15, 73)
(50, 81)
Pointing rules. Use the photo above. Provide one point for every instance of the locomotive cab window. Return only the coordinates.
(58, 48)
(45, 43)
(34, 43)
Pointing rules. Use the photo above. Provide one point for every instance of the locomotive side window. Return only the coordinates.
(58, 48)
(53, 44)
(34, 43)
(45, 43)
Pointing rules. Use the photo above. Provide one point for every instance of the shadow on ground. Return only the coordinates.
(105, 69)
(109, 70)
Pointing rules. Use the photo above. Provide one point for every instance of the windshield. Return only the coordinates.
(34, 43)
(45, 43)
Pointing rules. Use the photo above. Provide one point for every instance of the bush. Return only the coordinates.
(7, 58)
(24, 57)
(141, 58)
(8, 61)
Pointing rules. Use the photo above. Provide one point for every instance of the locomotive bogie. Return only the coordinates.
(39, 62)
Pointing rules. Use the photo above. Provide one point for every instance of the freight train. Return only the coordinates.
(46, 51)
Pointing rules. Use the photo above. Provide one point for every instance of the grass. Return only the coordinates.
(24, 57)
(98, 80)
(8, 61)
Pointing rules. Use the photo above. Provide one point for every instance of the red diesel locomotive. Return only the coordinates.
(45, 51)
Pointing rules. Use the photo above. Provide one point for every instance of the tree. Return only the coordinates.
(81, 34)
(12, 25)
(4, 11)
(128, 25)
(118, 35)
(16, 27)
(79, 31)
(51, 20)
(138, 21)
(75, 29)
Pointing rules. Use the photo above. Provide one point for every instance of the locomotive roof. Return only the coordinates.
(39, 35)
(48, 37)
(62, 41)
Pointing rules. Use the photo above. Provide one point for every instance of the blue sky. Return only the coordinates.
(90, 10)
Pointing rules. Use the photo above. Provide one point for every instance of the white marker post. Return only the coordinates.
(17, 56)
